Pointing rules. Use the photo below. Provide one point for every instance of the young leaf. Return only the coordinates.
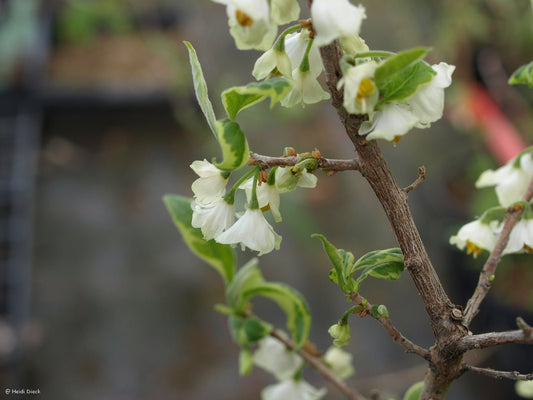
(397, 63)
(524, 75)
(246, 277)
(200, 88)
(414, 392)
(342, 262)
(235, 150)
(219, 256)
(291, 302)
(238, 98)
(383, 264)
(405, 83)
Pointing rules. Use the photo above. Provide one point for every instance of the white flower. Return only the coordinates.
(250, 23)
(393, 120)
(390, 123)
(339, 361)
(511, 180)
(360, 93)
(284, 11)
(428, 102)
(212, 218)
(524, 389)
(333, 19)
(267, 197)
(477, 236)
(251, 230)
(211, 185)
(295, 46)
(274, 357)
(305, 90)
(521, 238)
(287, 180)
(271, 60)
(293, 390)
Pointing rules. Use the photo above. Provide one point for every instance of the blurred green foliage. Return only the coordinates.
(81, 21)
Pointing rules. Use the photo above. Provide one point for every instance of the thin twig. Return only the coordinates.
(319, 365)
(323, 163)
(396, 335)
(514, 375)
(492, 339)
(485, 277)
(419, 180)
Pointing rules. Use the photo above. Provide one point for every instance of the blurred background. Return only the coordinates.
(99, 297)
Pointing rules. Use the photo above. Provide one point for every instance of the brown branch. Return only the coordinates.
(524, 335)
(322, 368)
(323, 163)
(485, 277)
(396, 335)
(419, 180)
(514, 375)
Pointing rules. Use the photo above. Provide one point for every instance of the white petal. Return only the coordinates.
(274, 357)
(212, 218)
(392, 121)
(333, 19)
(293, 390)
(284, 11)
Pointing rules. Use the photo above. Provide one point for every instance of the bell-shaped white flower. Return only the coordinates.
(511, 180)
(274, 357)
(270, 61)
(284, 11)
(340, 332)
(211, 185)
(477, 236)
(339, 361)
(521, 238)
(212, 218)
(391, 122)
(360, 92)
(250, 23)
(334, 19)
(305, 90)
(293, 390)
(296, 45)
(251, 230)
(427, 104)
(267, 197)
(524, 389)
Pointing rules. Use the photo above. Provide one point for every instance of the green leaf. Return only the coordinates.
(200, 88)
(235, 150)
(383, 264)
(524, 75)
(406, 82)
(246, 277)
(397, 63)
(238, 98)
(379, 311)
(342, 263)
(248, 330)
(219, 256)
(414, 392)
(292, 303)
(249, 282)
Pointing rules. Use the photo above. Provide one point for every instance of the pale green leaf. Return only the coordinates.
(238, 98)
(397, 63)
(383, 264)
(219, 256)
(342, 263)
(246, 277)
(200, 88)
(414, 392)
(292, 303)
(524, 75)
(405, 83)
(233, 143)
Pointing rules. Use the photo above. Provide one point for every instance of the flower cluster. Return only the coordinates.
(272, 356)
(511, 182)
(214, 211)
(295, 56)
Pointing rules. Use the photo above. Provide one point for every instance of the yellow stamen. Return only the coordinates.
(396, 139)
(243, 19)
(528, 249)
(265, 208)
(366, 88)
(471, 248)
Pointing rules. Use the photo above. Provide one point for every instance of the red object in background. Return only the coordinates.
(503, 140)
